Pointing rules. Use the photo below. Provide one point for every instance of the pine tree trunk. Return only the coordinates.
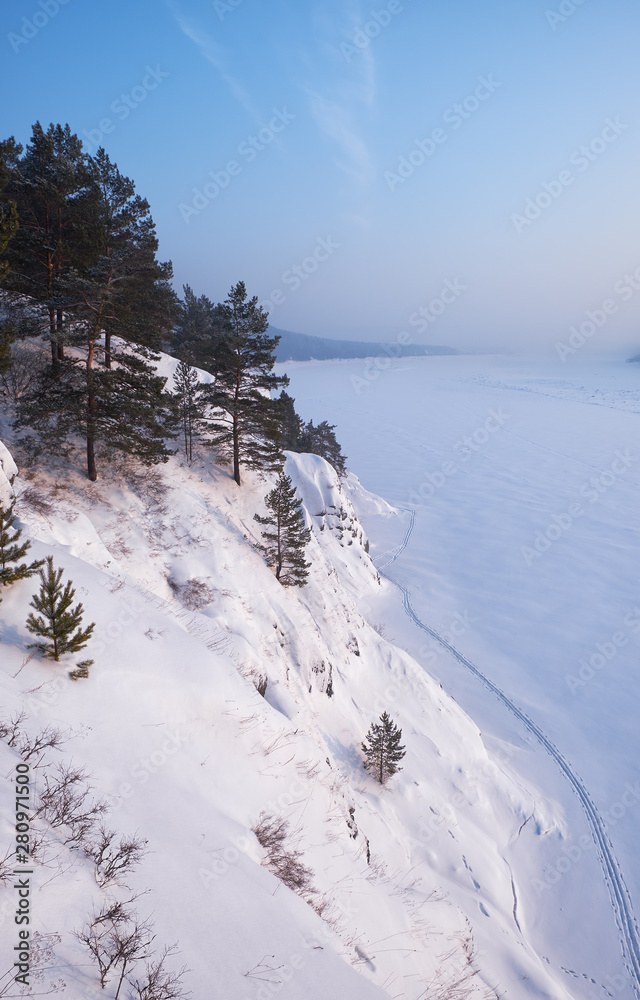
(92, 471)
(59, 331)
(236, 449)
(279, 557)
(52, 337)
(380, 776)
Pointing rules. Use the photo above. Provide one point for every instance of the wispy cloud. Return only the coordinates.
(338, 109)
(335, 120)
(214, 53)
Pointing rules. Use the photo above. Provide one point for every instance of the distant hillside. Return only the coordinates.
(300, 347)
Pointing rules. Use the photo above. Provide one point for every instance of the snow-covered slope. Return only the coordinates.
(414, 895)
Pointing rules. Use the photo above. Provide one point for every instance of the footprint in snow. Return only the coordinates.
(483, 910)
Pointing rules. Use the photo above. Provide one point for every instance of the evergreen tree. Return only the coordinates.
(187, 390)
(320, 440)
(135, 300)
(8, 208)
(287, 536)
(382, 749)
(291, 423)
(199, 331)
(243, 367)
(294, 435)
(57, 621)
(117, 309)
(56, 200)
(11, 551)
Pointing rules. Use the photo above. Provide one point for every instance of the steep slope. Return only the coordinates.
(409, 892)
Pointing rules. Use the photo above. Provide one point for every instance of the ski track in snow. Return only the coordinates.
(620, 898)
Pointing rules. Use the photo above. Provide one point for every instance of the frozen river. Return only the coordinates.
(524, 481)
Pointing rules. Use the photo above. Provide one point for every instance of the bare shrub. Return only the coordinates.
(194, 594)
(29, 747)
(7, 866)
(65, 801)
(27, 363)
(283, 861)
(11, 731)
(115, 938)
(113, 858)
(36, 501)
(159, 983)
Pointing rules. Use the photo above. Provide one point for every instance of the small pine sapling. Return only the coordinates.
(57, 621)
(285, 536)
(12, 551)
(382, 749)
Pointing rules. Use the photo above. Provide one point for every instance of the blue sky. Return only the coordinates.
(315, 151)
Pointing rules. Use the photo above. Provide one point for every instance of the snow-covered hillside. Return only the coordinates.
(412, 891)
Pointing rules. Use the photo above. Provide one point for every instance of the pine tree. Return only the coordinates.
(243, 368)
(198, 333)
(186, 387)
(136, 302)
(382, 749)
(320, 440)
(56, 200)
(109, 392)
(8, 208)
(294, 435)
(291, 423)
(285, 543)
(11, 551)
(57, 622)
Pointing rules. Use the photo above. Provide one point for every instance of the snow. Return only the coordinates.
(8, 470)
(188, 754)
(519, 481)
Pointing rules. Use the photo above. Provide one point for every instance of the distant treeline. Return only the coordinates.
(301, 347)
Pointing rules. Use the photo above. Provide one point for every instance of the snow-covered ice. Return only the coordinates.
(523, 478)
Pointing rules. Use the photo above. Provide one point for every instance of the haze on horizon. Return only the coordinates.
(353, 161)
